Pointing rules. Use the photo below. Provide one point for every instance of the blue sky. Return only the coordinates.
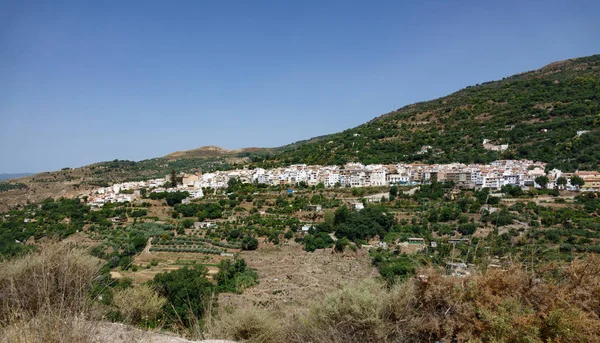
(82, 82)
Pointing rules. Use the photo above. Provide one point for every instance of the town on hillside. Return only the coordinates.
(522, 173)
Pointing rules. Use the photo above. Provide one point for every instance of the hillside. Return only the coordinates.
(537, 113)
(70, 182)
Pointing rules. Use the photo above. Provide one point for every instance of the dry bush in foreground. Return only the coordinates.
(139, 304)
(246, 325)
(49, 328)
(350, 314)
(42, 294)
(553, 305)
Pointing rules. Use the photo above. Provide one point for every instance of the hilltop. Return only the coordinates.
(550, 115)
(212, 151)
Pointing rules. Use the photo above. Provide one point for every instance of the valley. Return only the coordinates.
(375, 234)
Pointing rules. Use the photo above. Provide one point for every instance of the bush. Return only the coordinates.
(140, 304)
(187, 223)
(43, 294)
(235, 276)
(125, 262)
(320, 240)
(249, 243)
(188, 291)
(247, 325)
(351, 314)
(58, 276)
(50, 327)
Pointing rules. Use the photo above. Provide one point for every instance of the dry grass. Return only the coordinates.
(350, 314)
(139, 304)
(43, 294)
(49, 328)
(246, 325)
(552, 305)
(56, 277)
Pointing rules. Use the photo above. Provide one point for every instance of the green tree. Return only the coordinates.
(249, 243)
(561, 181)
(542, 181)
(188, 291)
(393, 191)
(577, 181)
(173, 178)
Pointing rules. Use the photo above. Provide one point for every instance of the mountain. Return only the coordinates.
(551, 114)
(537, 113)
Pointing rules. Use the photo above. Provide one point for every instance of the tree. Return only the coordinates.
(561, 181)
(174, 198)
(577, 181)
(511, 190)
(393, 192)
(188, 290)
(542, 181)
(173, 178)
(249, 243)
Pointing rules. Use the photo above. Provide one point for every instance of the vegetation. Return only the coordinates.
(188, 291)
(44, 292)
(537, 114)
(533, 270)
(550, 305)
(139, 305)
(7, 186)
(235, 276)
(172, 198)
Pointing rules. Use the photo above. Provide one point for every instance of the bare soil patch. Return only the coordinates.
(292, 277)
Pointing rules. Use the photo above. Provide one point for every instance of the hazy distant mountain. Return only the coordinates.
(13, 176)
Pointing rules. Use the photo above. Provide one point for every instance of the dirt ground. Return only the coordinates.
(291, 277)
(167, 261)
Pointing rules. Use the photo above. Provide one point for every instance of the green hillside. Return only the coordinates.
(537, 113)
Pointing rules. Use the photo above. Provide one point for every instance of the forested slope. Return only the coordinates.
(537, 113)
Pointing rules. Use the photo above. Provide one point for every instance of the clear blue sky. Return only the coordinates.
(88, 81)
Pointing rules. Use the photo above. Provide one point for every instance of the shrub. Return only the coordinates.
(50, 327)
(140, 304)
(249, 243)
(57, 276)
(348, 315)
(554, 305)
(246, 324)
(188, 291)
(235, 276)
(41, 295)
